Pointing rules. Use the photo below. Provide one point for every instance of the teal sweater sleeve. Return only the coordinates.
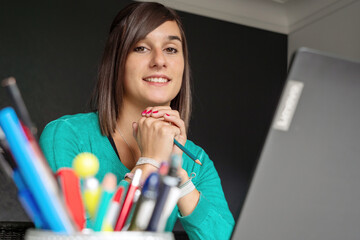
(211, 219)
(60, 144)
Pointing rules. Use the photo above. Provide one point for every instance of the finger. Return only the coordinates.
(146, 112)
(159, 109)
(162, 112)
(176, 121)
(149, 110)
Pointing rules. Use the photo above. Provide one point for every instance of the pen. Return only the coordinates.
(114, 209)
(146, 204)
(36, 173)
(187, 152)
(24, 196)
(168, 181)
(132, 210)
(125, 210)
(173, 195)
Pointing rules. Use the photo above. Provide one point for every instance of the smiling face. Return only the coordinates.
(154, 67)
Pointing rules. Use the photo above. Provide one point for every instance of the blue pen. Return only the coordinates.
(27, 201)
(25, 197)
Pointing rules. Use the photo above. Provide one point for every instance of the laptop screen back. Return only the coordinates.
(307, 182)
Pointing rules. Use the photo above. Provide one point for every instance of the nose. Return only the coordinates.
(158, 59)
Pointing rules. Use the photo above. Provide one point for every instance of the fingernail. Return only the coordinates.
(167, 114)
(149, 112)
(143, 112)
(156, 112)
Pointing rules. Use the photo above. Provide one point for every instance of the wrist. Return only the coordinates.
(183, 176)
(146, 170)
(145, 160)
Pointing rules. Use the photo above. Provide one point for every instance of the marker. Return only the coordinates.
(86, 165)
(146, 204)
(108, 189)
(70, 185)
(124, 213)
(187, 152)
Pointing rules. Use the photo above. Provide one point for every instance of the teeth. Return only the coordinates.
(157, 80)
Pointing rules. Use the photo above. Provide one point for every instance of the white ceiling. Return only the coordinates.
(283, 16)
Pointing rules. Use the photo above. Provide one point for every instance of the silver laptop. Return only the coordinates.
(307, 181)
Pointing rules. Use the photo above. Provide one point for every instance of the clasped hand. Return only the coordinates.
(155, 132)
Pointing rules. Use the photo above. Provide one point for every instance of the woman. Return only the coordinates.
(142, 101)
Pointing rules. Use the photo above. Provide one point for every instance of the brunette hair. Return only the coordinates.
(131, 25)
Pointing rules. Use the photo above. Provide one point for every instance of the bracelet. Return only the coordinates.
(188, 186)
(129, 175)
(145, 160)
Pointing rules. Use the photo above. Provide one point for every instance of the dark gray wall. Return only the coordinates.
(53, 48)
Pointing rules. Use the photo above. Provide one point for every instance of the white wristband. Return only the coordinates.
(186, 188)
(145, 160)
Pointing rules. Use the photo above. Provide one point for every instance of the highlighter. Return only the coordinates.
(108, 189)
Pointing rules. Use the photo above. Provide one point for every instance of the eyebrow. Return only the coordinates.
(174, 37)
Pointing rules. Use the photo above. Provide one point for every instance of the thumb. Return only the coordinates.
(135, 129)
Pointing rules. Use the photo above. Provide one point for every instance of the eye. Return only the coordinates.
(171, 50)
(140, 49)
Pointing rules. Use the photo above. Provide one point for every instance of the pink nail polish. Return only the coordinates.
(143, 112)
(167, 114)
(156, 112)
(149, 112)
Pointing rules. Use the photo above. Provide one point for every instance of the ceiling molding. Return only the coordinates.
(278, 16)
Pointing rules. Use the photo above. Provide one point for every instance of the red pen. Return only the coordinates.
(125, 210)
(113, 210)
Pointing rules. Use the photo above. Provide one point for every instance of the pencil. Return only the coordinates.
(187, 152)
(20, 108)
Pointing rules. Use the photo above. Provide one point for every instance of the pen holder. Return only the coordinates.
(36, 234)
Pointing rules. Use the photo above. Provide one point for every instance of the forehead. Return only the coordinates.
(166, 30)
